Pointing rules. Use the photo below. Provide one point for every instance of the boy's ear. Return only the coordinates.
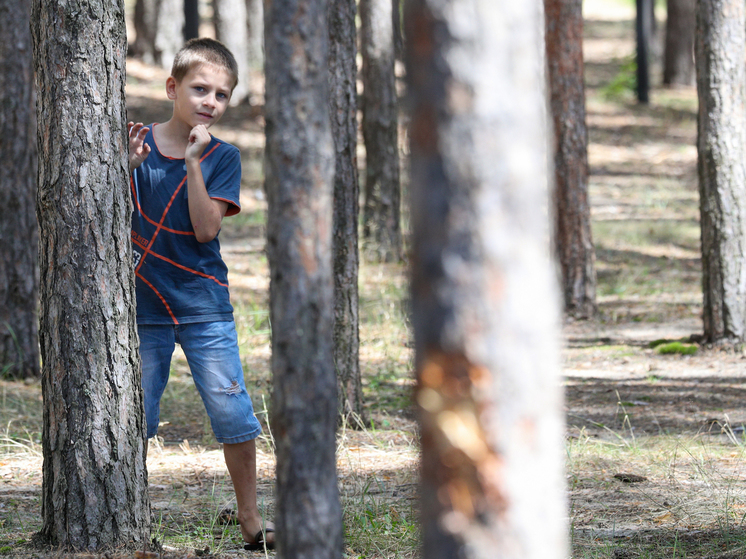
(171, 87)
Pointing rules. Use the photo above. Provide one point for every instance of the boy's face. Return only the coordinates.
(202, 96)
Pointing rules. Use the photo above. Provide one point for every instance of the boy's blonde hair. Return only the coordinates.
(204, 51)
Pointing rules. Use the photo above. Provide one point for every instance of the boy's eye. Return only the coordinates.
(222, 95)
(199, 88)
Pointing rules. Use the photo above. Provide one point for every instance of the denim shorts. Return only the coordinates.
(211, 349)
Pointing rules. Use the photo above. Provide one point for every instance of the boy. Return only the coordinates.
(183, 183)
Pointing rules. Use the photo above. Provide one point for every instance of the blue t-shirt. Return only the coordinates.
(178, 279)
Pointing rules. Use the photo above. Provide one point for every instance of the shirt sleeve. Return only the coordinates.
(225, 179)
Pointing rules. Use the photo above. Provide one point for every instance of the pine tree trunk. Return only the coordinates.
(191, 19)
(484, 303)
(343, 109)
(19, 272)
(644, 34)
(299, 177)
(381, 219)
(398, 36)
(721, 143)
(232, 30)
(678, 63)
(94, 490)
(255, 22)
(159, 30)
(572, 230)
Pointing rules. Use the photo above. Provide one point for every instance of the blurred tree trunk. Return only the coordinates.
(231, 29)
(572, 230)
(299, 175)
(644, 34)
(255, 22)
(678, 62)
(721, 142)
(159, 31)
(381, 219)
(94, 489)
(19, 272)
(343, 109)
(484, 303)
(191, 19)
(396, 6)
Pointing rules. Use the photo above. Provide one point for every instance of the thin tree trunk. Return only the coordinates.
(299, 176)
(643, 31)
(159, 31)
(484, 304)
(721, 143)
(572, 229)
(94, 489)
(678, 63)
(381, 219)
(191, 19)
(343, 109)
(232, 30)
(396, 6)
(19, 272)
(255, 22)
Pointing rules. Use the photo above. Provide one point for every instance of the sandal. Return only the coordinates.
(260, 541)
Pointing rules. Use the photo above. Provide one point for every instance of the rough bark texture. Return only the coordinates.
(159, 29)
(678, 62)
(381, 219)
(721, 142)
(572, 230)
(299, 176)
(94, 490)
(232, 30)
(343, 110)
(19, 272)
(485, 310)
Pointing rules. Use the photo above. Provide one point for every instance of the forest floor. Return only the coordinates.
(674, 421)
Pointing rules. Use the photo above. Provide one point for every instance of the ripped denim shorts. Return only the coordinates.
(211, 349)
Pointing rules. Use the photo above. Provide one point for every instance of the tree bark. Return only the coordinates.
(721, 142)
(255, 23)
(19, 272)
(94, 490)
(396, 6)
(159, 31)
(381, 219)
(299, 175)
(484, 303)
(191, 19)
(343, 109)
(644, 33)
(232, 30)
(572, 229)
(678, 62)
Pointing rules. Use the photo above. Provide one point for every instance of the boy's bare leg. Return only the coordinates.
(241, 462)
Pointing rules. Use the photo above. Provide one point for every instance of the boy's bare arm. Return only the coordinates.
(138, 149)
(205, 213)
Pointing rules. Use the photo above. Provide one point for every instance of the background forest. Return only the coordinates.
(655, 438)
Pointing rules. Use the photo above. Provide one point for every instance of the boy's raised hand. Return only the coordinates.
(199, 139)
(139, 150)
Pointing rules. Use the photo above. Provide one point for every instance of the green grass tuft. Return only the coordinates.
(677, 348)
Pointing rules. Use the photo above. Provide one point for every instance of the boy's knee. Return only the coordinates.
(233, 389)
